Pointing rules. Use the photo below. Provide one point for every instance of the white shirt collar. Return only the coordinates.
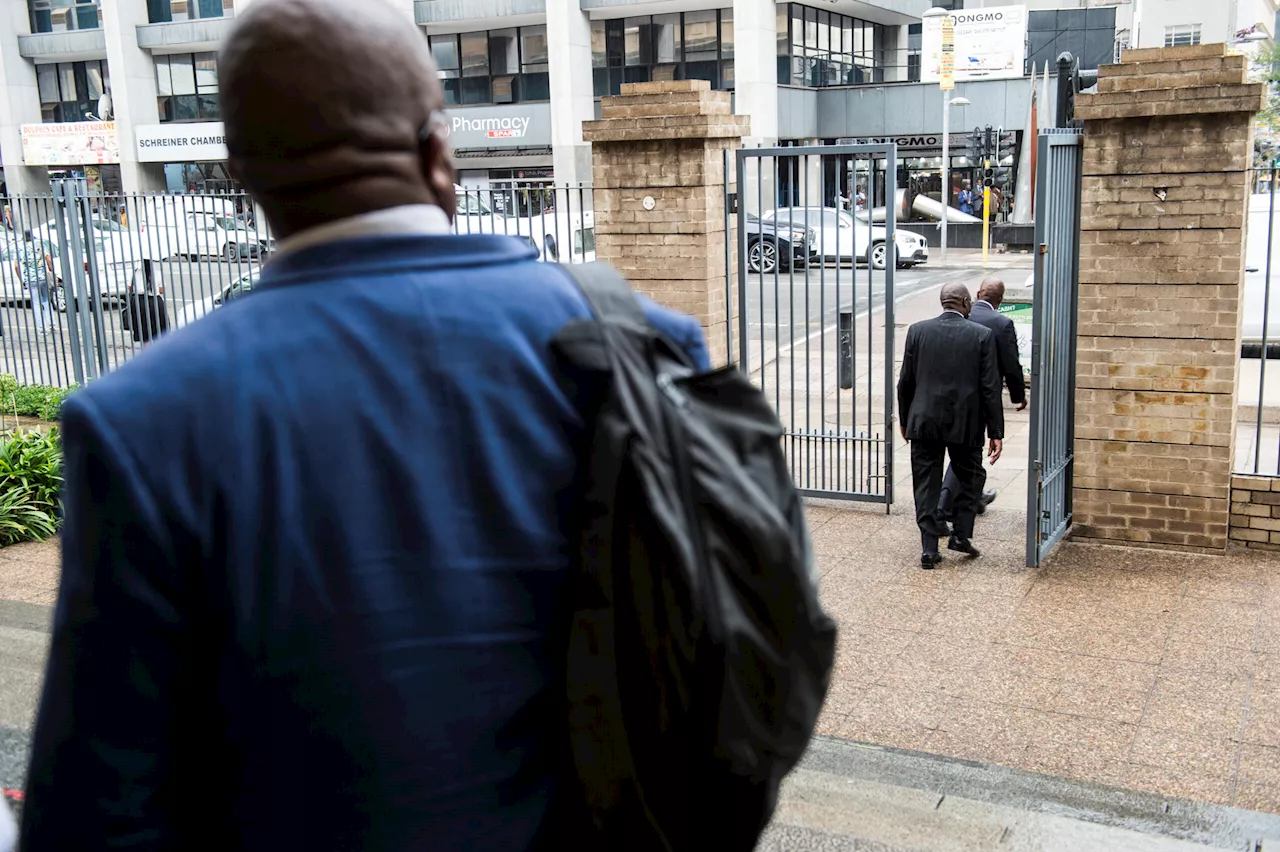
(417, 220)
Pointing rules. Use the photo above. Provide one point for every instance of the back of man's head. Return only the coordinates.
(955, 297)
(326, 105)
(991, 291)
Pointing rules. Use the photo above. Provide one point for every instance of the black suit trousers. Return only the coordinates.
(927, 460)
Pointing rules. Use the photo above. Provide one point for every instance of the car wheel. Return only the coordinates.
(552, 251)
(879, 256)
(231, 252)
(762, 257)
(59, 299)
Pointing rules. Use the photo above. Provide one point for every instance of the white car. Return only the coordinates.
(555, 235)
(229, 293)
(115, 254)
(839, 237)
(203, 234)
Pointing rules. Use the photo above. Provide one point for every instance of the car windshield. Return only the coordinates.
(227, 222)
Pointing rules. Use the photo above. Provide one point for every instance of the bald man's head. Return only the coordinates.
(991, 291)
(955, 297)
(331, 109)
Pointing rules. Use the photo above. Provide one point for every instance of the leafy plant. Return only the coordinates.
(32, 463)
(43, 401)
(23, 519)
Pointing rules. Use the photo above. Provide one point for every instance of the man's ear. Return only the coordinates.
(437, 167)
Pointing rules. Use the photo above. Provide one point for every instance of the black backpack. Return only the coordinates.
(699, 656)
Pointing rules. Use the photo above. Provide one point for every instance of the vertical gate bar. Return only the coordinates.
(744, 360)
(793, 459)
(1073, 312)
(871, 306)
(839, 474)
(70, 290)
(728, 256)
(822, 335)
(84, 291)
(1266, 312)
(1039, 323)
(891, 271)
(807, 442)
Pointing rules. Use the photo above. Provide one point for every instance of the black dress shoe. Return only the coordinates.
(963, 545)
(987, 499)
(929, 561)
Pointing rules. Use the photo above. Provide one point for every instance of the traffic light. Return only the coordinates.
(975, 146)
(1003, 175)
(989, 143)
(988, 177)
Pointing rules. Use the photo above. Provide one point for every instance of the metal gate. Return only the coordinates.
(814, 324)
(1053, 348)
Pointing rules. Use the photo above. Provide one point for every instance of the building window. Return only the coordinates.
(1182, 35)
(827, 49)
(678, 46)
(60, 16)
(1087, 34)
(69, 91)
(164, 11)
(493, 66)
(187, 84)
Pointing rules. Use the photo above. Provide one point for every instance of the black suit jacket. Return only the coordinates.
(949, 388)
(1006, 348)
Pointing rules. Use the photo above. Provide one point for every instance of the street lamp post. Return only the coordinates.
(946, 166)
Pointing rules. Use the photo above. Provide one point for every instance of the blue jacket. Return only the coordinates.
(313, 560)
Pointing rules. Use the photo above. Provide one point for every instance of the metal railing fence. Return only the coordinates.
(87, 282)
(1258, 423)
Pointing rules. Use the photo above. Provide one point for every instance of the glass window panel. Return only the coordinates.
(452, 91)
(475, 56)
(210, 8)
(726, 33)
(784, 38)
(810, 27)
(184, 74)
(534, 45)
(824, 31)
(700, 37)
(709, 71)
(597, 44)
(209, 109)
(185, 108)
(846, 36)
(537, 86)
(93, 80)
(636, 74)
(726, 74)
(504, 52)
(67, 82)
(665, 72)
(179, 8)
(206, 72)
(860, 45)
(615, 42)
(158, 11)
(47, 80)
(633, 32)
(475, 90)
(444, 49)
(600, 80)
(667, 38)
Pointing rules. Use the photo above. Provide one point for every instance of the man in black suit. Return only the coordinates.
(948, 399)
(986, 312)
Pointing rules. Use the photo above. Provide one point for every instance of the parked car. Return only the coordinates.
(203, 234)
(840, 237)
(231, 292)
(774, 246)
(547, 232)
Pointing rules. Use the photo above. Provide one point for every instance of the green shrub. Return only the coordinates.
(32, 462)
(30, 483)
(23, 519)
(43, 401)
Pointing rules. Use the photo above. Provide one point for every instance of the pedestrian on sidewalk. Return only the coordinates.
(34, 267)
(317, 544)
(986, 312)
(948, 399)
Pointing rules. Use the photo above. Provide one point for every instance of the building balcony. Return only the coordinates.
(429, 12)
(899, 12)
(196, 36)
(66, 46)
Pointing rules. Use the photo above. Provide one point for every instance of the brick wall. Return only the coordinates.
(1255, 511)
(666, 142)
(1168, 140)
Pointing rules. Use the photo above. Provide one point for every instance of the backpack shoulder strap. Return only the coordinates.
(610, 296)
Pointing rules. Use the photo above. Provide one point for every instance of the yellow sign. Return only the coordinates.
(947, 61)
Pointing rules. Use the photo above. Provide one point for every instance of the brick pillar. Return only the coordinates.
(1168, 140)
(666, 142)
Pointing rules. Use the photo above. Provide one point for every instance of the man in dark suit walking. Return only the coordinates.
(986, 312)
(948, 398)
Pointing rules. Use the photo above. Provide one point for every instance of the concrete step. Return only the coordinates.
(847, 796)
